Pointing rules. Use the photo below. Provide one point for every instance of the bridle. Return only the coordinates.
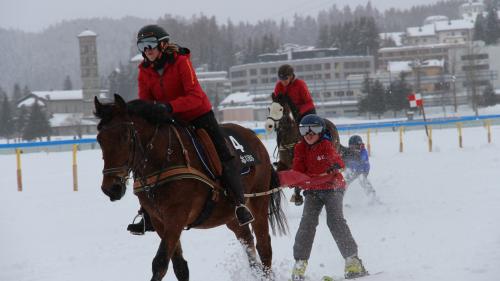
(122, 173)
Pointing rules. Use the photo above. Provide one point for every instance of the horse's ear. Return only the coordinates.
(97, 104)
(119, 101)
(275, 97)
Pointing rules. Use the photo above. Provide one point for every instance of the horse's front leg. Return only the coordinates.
(160, 262)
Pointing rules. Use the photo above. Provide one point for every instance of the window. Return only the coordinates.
(299, 68)
(264, 71)
(317, 67)
(253, 81)
(349, 93)
(307, 67)
(326, 66)
(264, 80)
(253, 72)
(339, 93)
(328, 76)
(327, 94)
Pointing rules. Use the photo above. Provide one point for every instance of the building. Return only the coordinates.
(66, 111)
(89, 69)
(70, 112)
(326, 74)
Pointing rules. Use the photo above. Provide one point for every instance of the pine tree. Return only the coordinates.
(323, 37)
(396, 94)
(38, 125)
(479, 28)
(20, 121)
(6, 119)
(377, 99)
(67, 84)
(492, 27)
(17, 94)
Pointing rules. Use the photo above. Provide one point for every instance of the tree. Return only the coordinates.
(479, 28)
(38, 124)
(397, 93)
(488, 98)
(6, 119)
(20, 121)
(67, 84)
(492, 26)
(374, 101)
(17, 94)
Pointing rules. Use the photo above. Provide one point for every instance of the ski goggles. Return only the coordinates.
(282, 76)
(148, 42)
(308, 129)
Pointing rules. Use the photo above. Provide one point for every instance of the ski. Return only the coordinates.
(340, 278)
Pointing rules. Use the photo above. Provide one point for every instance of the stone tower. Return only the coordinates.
(88, 69)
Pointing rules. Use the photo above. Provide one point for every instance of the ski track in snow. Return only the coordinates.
(439, 220)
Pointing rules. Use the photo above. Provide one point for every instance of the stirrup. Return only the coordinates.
(134, 223)
(243, 220)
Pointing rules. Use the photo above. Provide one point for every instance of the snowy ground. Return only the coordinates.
(440, 220)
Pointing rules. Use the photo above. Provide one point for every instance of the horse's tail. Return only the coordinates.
(277, 218)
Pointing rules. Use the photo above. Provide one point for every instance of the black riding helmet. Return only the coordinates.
(150, 36)
(285, 71)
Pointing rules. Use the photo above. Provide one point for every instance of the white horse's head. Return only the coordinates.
(275, 115)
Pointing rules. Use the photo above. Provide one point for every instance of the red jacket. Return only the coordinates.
(299, 94)
(314, 160)
(177, 85)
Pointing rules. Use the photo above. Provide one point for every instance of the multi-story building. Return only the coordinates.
(325, 73)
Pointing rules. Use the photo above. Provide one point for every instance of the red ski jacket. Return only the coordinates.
(299, 94)
(178, 85)
(314, 161)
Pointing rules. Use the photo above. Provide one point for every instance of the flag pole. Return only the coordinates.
(425, 120)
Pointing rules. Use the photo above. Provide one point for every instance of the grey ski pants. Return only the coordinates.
(313, 204)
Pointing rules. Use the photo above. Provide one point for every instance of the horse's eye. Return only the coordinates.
(281, 109)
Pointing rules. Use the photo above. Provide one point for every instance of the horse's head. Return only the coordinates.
(279, 111)
(116, 134)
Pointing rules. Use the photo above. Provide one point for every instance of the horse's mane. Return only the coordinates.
(138, 108)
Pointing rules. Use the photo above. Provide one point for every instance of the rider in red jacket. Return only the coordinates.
(296, 90)
(166, 77)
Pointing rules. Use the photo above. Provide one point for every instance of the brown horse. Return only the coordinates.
(171, 188)
(282, 119)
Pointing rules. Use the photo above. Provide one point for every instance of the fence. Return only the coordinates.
(91, 143)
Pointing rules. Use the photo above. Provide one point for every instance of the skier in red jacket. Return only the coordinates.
(296, 90)
(316, 157)
(166, 77)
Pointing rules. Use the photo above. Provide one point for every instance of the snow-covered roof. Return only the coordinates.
(416, 47)
(433, 19)
(244, 98)
(399, 66)
(30, 102)
(87, 33)
(59, 95)
(395, 36)
(454, 25)
(424, 30)
(69, 119)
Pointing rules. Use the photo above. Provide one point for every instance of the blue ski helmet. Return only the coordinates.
(312, 122)
(355, 140)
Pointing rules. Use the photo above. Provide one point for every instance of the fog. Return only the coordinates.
(35, 15)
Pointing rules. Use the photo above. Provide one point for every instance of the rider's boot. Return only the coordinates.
(231, 180)
(139, 228)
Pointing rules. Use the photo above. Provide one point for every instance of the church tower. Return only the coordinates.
(88, 69)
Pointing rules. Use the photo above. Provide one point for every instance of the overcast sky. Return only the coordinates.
(35, 15)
